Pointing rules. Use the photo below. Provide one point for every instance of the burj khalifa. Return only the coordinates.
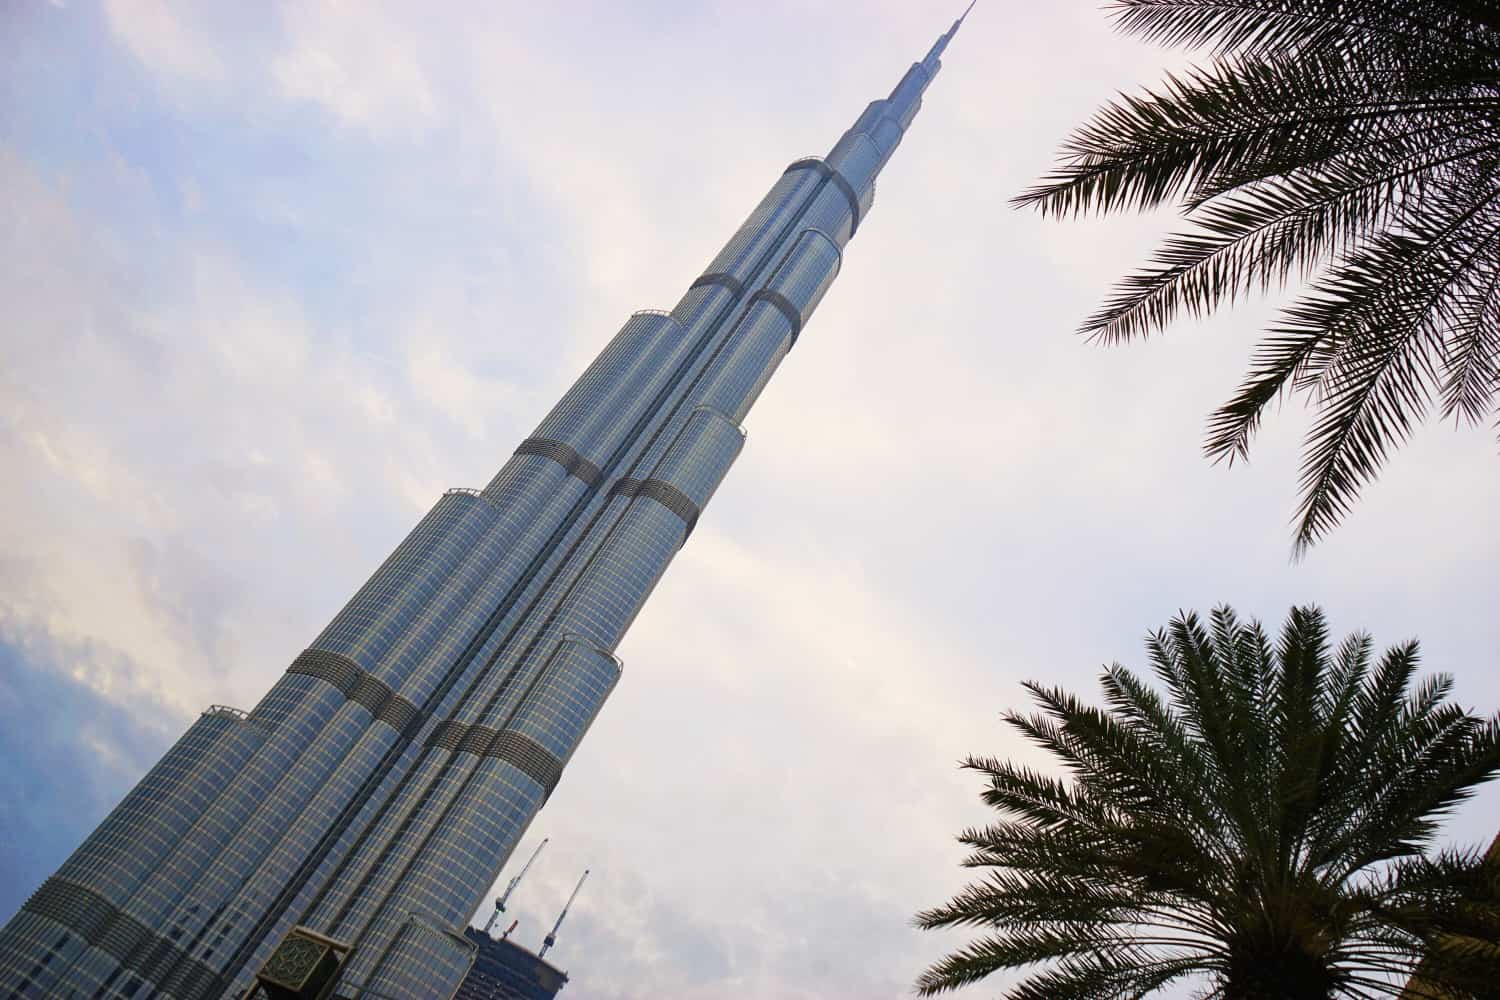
(335, 840)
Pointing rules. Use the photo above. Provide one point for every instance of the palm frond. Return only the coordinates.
(1375, 372)
(1142, 151)
(1268, 231)
(1299, 26)
(1355, 145)
(1471, 349)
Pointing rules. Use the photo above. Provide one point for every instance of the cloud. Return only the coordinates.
(114, 413)
(155, 33)
(68, 736)
(358, 65)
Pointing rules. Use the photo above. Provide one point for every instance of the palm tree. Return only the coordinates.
(1261, 829)
(1464, 946)
(1354, 142)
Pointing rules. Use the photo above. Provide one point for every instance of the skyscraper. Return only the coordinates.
(348, 825)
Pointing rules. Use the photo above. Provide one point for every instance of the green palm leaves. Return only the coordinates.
(1259, 825)
(1356, 143)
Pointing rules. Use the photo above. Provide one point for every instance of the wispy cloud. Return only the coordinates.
(363, 70)
(158, 34)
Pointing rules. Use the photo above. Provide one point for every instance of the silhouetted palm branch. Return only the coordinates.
(1463, 930)
(1258, 822)
(1355, 143)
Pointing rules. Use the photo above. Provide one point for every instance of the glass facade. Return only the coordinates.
(375, 792)
(503, 970)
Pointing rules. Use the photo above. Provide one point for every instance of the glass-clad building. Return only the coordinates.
(503, 970)
(350, 824)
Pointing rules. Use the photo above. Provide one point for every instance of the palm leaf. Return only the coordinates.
(1353, 145)
(1282, 25)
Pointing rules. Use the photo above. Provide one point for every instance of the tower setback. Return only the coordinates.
(349, 825)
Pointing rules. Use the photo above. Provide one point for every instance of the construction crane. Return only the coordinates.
(551, 939)
(505, 896)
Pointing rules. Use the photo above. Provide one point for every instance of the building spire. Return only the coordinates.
(946, 37)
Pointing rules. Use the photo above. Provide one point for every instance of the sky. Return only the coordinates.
(273, 276)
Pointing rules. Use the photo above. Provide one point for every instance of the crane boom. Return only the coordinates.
(511, 887)
(551, 938)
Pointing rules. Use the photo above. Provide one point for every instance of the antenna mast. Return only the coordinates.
(505, 896)
(551, 938)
